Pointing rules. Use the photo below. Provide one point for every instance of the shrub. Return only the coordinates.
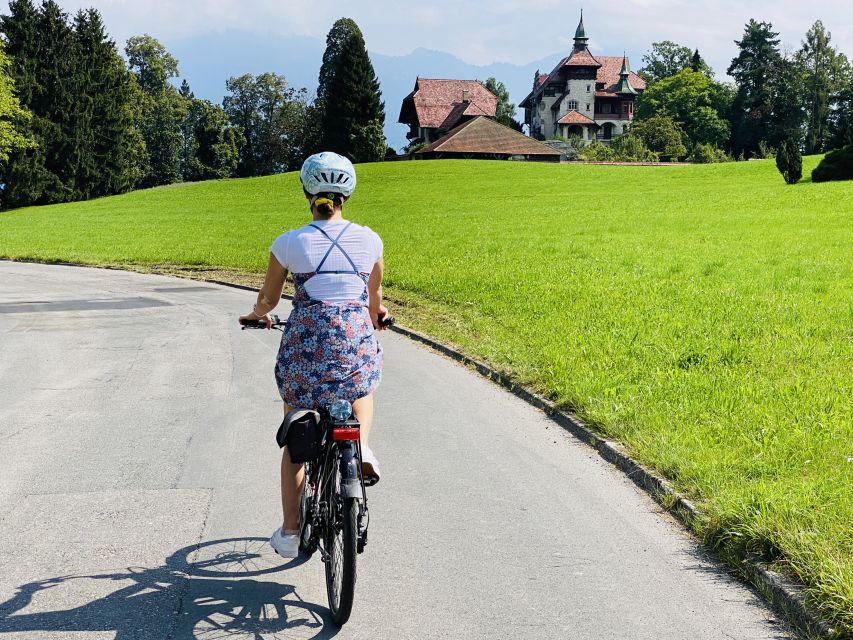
(789, 161)
(662, 134)
(837, 165)
(630, 148)
(766, 151)
(597, 152)
(707, 154)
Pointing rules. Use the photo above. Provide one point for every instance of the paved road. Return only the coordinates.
(138, 480)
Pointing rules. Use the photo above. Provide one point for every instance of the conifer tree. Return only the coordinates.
(753, 71)
(109, 161)
(353, 113)
(789, 161)
(818, 64)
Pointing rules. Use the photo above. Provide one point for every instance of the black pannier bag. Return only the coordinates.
(300, 431)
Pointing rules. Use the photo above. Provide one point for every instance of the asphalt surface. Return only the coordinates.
(139, 481)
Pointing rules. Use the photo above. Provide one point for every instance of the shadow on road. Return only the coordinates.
(216, 590)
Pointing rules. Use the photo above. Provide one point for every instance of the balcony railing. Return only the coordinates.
(612, 116)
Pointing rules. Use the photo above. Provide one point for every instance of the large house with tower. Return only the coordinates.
(585, 95)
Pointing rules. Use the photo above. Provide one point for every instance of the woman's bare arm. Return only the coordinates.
(270, 293)
(374, 290)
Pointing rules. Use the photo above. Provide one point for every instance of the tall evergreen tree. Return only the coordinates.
(350, 98)
(753, 71)
(841, 112)
(788, 115)
(160, 110)
(40, 43)
(209, 148)
(111, 149)
(818, 63)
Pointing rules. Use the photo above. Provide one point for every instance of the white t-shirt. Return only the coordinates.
(301, 250)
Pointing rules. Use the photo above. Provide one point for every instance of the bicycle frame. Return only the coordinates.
(339, 459)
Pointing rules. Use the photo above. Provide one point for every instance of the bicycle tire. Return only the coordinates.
(340, 569)
(307, 541)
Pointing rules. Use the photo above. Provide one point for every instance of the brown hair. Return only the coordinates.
(327, 209)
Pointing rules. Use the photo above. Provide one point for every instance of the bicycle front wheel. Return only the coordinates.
(341, 541)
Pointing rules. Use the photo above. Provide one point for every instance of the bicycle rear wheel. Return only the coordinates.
(341, 541)
(307, 539)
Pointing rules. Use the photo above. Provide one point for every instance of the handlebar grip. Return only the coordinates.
(253, 324)
(387, 321)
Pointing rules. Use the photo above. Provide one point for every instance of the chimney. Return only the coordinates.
(466, 95)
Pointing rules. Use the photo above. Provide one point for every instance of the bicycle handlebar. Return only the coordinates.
(277, 323)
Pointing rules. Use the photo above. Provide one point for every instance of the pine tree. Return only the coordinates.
(30, 176)
(818, 63)
(349, 96)
(753, 71)
(108, 161)
(841, 113)
(789, 161)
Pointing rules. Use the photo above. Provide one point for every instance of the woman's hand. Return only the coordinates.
(376, 315)
(252, 317)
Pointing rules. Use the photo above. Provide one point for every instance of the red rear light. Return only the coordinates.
(345, 433)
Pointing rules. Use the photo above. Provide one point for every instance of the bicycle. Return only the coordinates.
(333, 512)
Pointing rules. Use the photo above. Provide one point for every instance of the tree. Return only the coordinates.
(13, 117)
(698, 64)
(109, 159)
(349, 96)
(841, 112)
(789, 161)
(664, 60)
(836, 165)
(818, 64)
(787, 116)
(505, 110)
(661, 134)
(160, 109)
(630, 148)
(214, 142)
(696, 103)
(753, 71)
(271, 118)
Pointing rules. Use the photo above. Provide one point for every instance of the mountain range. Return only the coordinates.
(207, 61)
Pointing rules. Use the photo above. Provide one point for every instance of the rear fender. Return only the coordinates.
(350, 482)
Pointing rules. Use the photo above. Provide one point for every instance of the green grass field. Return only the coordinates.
(703, 316)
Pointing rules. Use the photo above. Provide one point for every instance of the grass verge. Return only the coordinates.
(703, 316)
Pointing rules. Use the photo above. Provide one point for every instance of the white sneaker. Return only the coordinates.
(369, 466)
(285, 544)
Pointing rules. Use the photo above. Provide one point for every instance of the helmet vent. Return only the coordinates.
(325, 179)
(340, 177)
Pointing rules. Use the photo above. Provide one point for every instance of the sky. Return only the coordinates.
(481, 32)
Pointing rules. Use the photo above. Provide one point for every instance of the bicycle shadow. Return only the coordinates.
(208, 591)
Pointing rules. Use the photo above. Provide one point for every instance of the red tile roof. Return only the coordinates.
(575, 117)
(611, 66)
(435, 100)
(483, 135)
(582, 58)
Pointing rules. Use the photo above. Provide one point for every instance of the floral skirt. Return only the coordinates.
(327, 352)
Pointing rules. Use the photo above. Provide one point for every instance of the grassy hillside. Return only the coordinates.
(701, 315)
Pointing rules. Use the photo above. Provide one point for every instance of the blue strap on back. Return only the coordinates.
(332, 246)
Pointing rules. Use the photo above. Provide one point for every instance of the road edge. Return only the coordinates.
(786, 597)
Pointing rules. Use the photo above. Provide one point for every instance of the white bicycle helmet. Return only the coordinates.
(328, 172)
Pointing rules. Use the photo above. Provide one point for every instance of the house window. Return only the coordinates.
(550, 91)
(573, 105)
(541, 105)
(588, 88)
(605, 108)
(587, 106)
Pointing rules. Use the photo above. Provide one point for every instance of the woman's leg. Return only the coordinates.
(363, 410)
(292, 477)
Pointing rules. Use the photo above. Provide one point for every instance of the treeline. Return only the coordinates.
(797, 102)
(78, 120)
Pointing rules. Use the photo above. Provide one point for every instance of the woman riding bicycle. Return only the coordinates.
(329, 349)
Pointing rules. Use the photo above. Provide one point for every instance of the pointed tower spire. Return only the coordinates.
(624, 74)
(581, 38)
